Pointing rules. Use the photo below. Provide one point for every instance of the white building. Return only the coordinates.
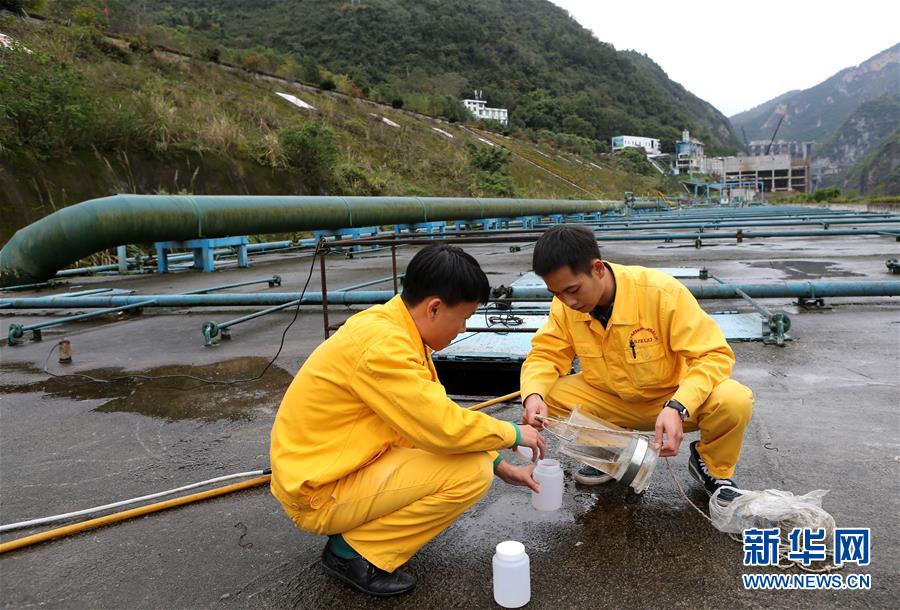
(689, 157)
(650, 145)
(478, 107)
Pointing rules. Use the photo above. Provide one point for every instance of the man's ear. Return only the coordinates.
(432, 306)
(598, 267)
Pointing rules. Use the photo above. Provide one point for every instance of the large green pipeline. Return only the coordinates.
(36, 252)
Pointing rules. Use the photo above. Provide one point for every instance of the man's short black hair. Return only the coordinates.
(446, 272)
(572, 246)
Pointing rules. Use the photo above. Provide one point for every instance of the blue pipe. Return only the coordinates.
(808, 290)
(16, 331)
(880, 288)
(370, 283)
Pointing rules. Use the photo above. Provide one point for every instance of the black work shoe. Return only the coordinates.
(588, 475)
(365, 577)
(698, 470)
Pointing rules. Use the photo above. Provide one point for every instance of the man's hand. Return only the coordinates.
(669, 423)
(531, 438)
(535, 405)
(517, 475)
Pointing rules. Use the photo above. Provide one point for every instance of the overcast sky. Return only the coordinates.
(737, 55)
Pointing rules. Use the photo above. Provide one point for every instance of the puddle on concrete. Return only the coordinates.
(805, 270)
(174, 398)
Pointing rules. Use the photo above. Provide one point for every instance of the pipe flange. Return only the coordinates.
(779, 321)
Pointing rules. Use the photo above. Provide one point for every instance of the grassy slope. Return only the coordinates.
(164, 123)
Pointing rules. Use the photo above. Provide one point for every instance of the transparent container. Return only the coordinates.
(549, 476)
(512, 575)
(629, 457)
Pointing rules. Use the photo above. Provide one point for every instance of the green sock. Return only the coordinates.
(340, 547)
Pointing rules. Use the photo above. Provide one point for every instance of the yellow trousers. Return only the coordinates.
(721, 419)
(392, 507)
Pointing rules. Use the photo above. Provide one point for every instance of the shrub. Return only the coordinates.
(827, 194)
(397, 103)
(44, 105)
(354, 180)
(487, 158)
(212, 54)
(495, 183)
(312, 149)
(328, 85)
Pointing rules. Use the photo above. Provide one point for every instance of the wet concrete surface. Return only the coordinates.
(827, 416)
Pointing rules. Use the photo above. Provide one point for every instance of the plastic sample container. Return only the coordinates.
(512, 575)
(549, 476)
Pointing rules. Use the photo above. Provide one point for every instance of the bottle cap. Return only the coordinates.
(510, 550)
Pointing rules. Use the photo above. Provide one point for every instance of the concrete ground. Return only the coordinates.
(826, 417)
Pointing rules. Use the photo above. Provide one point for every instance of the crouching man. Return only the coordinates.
(368, 449)
(651, 358)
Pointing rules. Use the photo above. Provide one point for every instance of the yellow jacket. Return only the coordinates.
(657, 341)
(369, 387)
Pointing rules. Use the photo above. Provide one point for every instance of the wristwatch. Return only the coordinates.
(682, 410)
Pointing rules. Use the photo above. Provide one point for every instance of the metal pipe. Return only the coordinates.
(778, 323)
(274, 280)
(369, 283)
(36, 252)
(212, 329)
(880, 288)
(17, 331)
(696, 237)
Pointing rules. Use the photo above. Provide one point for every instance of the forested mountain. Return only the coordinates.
(867, 126)
(814, 114)
(864, 154)
(526, 55)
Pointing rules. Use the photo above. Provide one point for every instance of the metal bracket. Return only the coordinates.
(778, 324)
(813, 303)
(210, 330)
(893, 265)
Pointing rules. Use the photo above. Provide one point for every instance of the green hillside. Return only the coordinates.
(84, 115)
(526, 55)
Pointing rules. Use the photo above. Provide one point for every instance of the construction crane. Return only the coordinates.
(775, 133)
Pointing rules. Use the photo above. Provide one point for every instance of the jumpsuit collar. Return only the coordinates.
(624, 305)
(398, 312)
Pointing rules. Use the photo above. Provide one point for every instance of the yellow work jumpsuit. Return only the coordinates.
(658, 344)
(367, 444)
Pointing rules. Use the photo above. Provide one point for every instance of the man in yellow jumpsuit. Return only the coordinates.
(651, 358)
(368, 449)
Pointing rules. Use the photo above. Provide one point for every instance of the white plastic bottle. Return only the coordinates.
(512, 575)
(549, 476)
